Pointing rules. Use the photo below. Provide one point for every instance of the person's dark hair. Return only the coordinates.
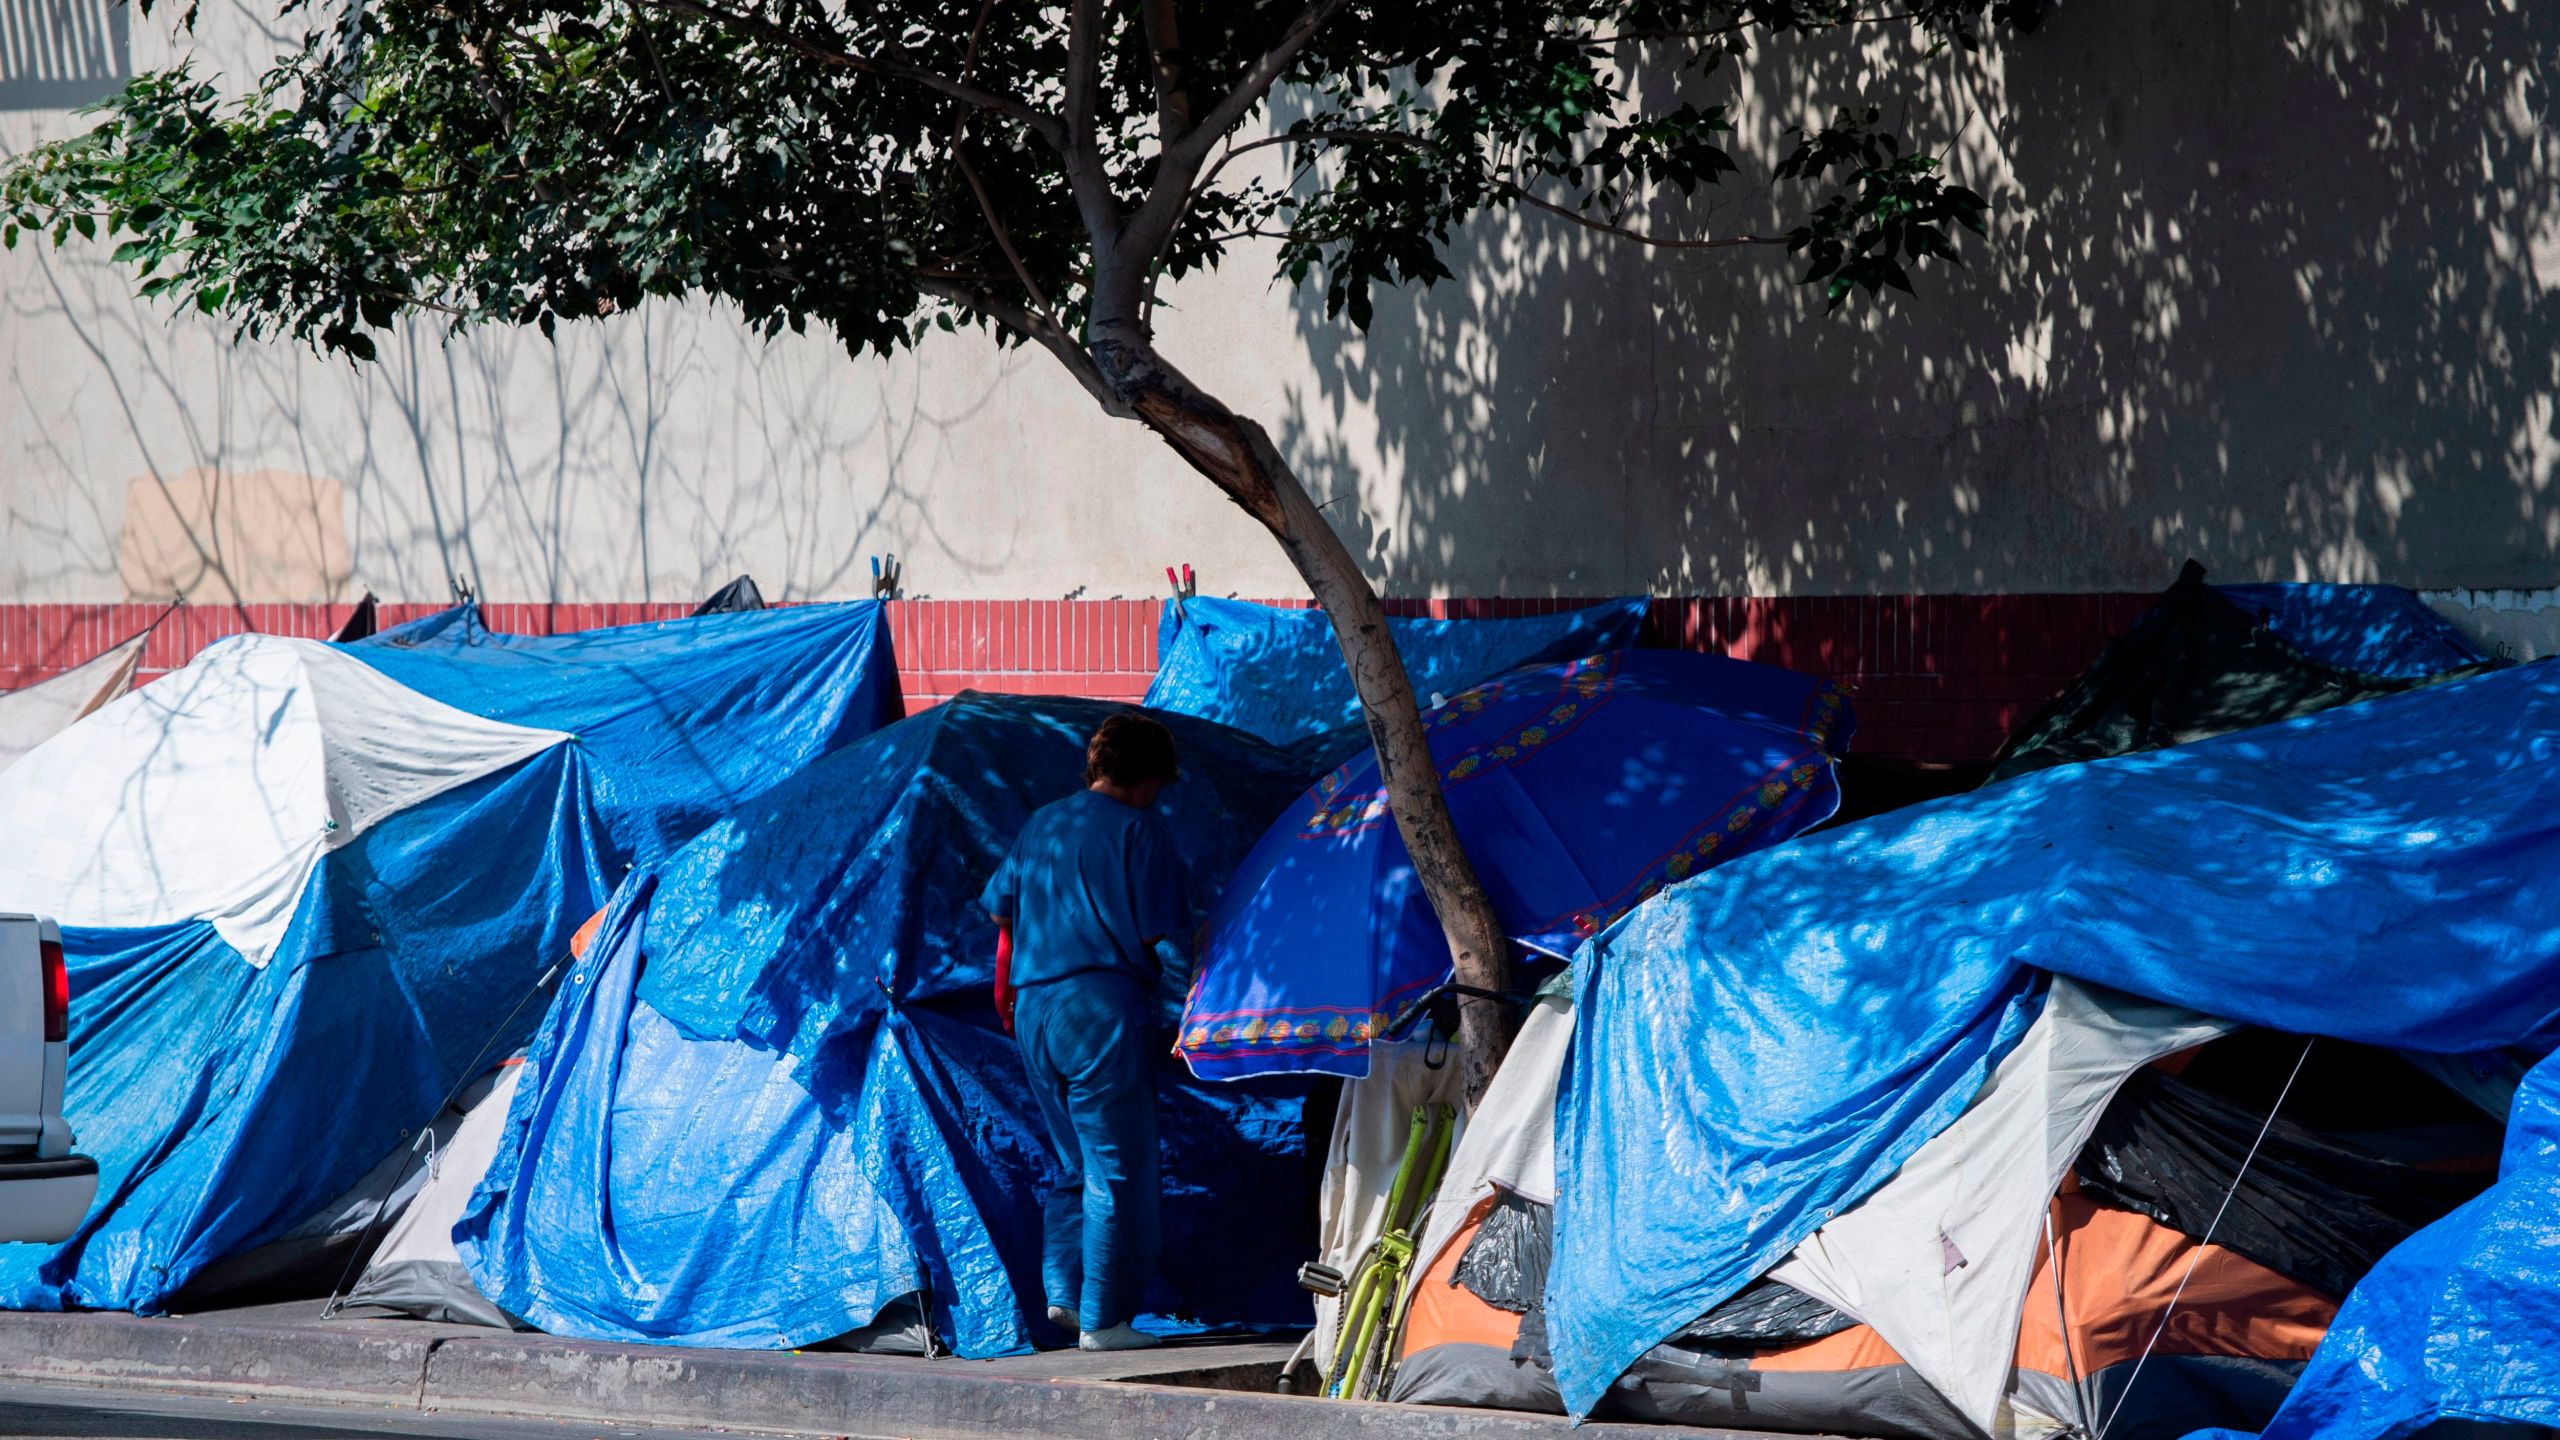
(1129, 749)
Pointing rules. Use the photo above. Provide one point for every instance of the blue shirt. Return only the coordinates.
(1090, 884)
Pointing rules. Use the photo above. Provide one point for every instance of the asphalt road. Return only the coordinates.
(79, 1414)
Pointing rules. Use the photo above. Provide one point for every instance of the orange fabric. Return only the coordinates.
(2119, 1270)
(1445, 1312)
(2177, 1061)
(586, 936)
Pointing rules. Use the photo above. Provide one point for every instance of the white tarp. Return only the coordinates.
(1938, 1259)
(1510, 1142)
(33, 714)
(416, 1269)
(1370, 1128)
(213, 792)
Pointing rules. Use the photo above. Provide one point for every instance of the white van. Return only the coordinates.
(44, 1188)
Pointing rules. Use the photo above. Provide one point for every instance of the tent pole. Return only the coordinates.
(2206, 1239)
(2062, 1324)
(426, 1132)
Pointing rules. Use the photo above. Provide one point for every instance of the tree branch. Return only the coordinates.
(1178, 162)
(1659, 242)
(1083, 150)
(1039, 301)
(1225, 157)
(1031, 327)
(884, 66)
(1164, 54)
(1084, 65)
(484, 65)
(1184, 155)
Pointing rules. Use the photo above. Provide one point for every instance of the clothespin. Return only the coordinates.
(885, 577)
(1185, 585)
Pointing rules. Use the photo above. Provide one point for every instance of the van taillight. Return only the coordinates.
(57, 993)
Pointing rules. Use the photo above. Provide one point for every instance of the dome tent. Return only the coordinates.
(301, 896)
(1843, 1223)
(270, 979)
(2278, 877)
(808, 984)
(1892, 1318)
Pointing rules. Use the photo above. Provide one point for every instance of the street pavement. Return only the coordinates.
(61, 1413)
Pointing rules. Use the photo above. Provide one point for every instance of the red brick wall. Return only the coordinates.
(1939, 677)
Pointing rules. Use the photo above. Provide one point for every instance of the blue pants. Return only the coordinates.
(1088, 1044)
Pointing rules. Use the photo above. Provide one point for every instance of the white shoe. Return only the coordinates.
(1063, 1318)
(1118, 1337)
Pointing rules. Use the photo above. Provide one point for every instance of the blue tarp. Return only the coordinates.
(2371, 629)
(816, 966)
(2462, 1320)
(681, 720)
(2387, 873)
(708, 1152)
(1279, 674)
(225, 1103)
(1578, 789)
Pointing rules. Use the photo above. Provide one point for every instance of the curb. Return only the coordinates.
(213, 1358)
(455, 1369)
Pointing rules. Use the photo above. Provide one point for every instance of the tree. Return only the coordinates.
(1037, 171)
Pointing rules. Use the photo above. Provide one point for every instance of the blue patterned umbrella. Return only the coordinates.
(1579, 790)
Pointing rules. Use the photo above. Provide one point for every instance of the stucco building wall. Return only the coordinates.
(2271, 285)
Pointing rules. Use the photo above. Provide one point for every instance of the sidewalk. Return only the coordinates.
(1201, 1390)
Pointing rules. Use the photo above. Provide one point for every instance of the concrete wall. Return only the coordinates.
(2272, 286)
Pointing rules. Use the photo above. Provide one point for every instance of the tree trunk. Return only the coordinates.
(1239, 457)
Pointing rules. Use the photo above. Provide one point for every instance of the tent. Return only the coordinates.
(2370, 629)
(32, 714)
(2204, 663)
(1279, 674)
(362, 621)
(300, 897)
(1933, 1308)
(1778, 1360)
(739, 594)
(1578, 788)
(318, 1255)
(778, 1069)
(414, 1269)
(417, 1272)
(281, 960)
(2280, 878)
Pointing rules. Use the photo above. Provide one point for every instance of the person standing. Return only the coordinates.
(1092, 918)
